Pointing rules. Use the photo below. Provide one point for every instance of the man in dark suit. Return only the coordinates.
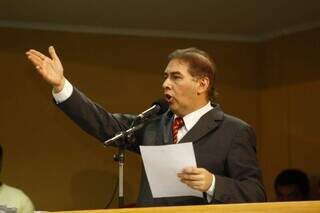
(227, 170)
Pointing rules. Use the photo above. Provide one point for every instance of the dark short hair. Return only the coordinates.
(294, 177)
(200, 65)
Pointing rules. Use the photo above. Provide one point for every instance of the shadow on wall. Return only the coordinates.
(92, 189)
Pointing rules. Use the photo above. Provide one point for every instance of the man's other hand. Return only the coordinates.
(196, 178)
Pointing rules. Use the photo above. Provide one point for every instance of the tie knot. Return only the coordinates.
(178, 122)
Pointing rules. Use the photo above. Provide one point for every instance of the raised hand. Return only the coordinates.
(50, 69)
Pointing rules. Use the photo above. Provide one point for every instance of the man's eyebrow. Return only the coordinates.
(172, 72)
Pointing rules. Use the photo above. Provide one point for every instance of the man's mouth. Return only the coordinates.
(168, 98)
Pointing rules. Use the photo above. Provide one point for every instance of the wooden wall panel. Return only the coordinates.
(59, 166)
(290, 90)
(273, 85)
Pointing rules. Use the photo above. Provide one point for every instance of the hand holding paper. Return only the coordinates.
(162, 165)
(196, 178)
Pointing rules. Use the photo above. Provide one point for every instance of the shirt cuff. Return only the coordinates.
(211, 189)
(64, 94)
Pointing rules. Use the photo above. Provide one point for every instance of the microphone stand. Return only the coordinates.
(121, 139)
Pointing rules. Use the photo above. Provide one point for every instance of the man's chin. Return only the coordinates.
(174, 109)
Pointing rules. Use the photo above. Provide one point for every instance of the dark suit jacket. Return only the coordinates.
(224, 145)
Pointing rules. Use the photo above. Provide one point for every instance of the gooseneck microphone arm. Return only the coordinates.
(123, 137)
(158, 107)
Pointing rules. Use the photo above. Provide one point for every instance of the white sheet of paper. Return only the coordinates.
(163, 163)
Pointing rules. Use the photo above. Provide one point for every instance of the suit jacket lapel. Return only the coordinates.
(207, 123)
(165, 131)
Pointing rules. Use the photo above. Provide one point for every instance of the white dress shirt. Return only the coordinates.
(189, 121)
(64, 94)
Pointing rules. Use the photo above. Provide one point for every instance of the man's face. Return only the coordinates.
(288, 193)
(180, 88)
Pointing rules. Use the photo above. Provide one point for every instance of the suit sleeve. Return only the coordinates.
(243, 182)
(92, 118)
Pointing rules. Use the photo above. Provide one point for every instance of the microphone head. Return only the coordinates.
(162, 104)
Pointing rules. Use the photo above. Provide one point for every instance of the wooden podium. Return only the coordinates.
(278, 207)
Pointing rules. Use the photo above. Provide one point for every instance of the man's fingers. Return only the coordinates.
(37, 53)
(192, 170)
(189, 177)
(194, 184)
(38, 63)
(53, 53)
(34, 59)
(40, 70)
(196, 178)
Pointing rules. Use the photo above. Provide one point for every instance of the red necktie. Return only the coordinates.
(177, 124)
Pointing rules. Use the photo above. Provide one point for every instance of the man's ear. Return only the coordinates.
(203, 85)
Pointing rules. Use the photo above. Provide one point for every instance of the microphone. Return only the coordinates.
(158, 107)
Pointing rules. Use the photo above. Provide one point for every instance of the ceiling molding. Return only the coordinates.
(127, 32)
(155, 33)
(289, 30)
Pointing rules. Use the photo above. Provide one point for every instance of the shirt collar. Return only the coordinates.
(192, 118)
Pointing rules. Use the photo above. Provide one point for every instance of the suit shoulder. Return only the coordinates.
(235, 122)
(238, 127)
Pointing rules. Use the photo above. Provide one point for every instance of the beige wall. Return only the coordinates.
(272, 85)
(289, 104)
(53, 161)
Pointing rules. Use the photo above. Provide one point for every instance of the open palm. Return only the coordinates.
(50, 69)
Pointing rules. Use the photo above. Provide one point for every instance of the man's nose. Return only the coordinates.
(165, 83)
